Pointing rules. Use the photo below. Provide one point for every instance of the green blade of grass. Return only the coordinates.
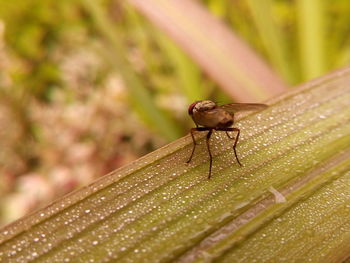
(271, 37)
(312, 37)
(189, 74)
(161, 209)
(223, 56)
(218, 8)
(139, 96)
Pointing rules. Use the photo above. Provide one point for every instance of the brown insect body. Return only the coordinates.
(211, 116)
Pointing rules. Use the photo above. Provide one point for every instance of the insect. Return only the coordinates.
(208, 116)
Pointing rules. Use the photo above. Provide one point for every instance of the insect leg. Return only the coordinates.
(234, 145)
(210, 156)
(194, 144)
(229, 129)
(228, 135)
(236, 140)
(194, 140)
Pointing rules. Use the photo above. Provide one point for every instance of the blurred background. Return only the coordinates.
(89, 86)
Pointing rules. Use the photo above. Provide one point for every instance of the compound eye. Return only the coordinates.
(191, 107)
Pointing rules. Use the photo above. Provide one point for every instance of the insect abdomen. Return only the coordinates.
(225, 123)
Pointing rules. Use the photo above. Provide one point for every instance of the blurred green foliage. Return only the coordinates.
(280, 31)
(32, 31)
(302, 39)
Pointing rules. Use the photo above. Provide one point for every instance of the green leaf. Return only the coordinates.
(312, 37)
(218, 51)
(159, 209)
(275, 44)
(140, 98)
(188, 73)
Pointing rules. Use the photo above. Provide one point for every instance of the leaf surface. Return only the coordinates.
(161, 209)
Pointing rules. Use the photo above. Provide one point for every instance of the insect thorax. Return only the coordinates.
(204, 105)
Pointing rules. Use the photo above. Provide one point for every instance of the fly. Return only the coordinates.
(208, 116)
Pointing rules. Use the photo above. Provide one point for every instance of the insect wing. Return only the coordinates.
(236, 107)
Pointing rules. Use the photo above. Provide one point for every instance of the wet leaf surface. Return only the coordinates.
(161, 209)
